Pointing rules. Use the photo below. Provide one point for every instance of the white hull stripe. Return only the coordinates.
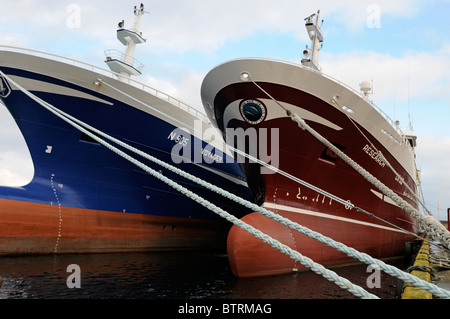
(42, 86)
(275, 112)
(272, 206)
(384, 197)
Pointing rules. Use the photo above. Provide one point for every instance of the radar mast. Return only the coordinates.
(311, 55)
(124, 63)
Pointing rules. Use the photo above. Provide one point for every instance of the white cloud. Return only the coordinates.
(16, 168)
(8, 129)
(412, 75)
(433, 154)
(14, 39)
(33, 13)
(185, 87)
(358, 14)
(419, 76)
(12, 179)
(196, 25)
(205, 26)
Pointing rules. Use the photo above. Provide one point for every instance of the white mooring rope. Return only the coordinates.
(380, 154)
(343, 283)
(307, 262)
(435, 229)
(262, 163)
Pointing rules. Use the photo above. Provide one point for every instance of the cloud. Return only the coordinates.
(205, 26)
(411, 88)
(16, 168)
(419, 77)
(411, 75)
(8, 129)
(34, 13)
(14, 39)
(12, 179)
(184, 85)
(433, 155)
(182, 26)
(356, 15)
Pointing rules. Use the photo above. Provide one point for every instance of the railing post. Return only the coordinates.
(448, 218)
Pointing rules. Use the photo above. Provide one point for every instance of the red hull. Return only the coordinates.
(250, 257)
(353, 126)
(308, 159)
(29, 228)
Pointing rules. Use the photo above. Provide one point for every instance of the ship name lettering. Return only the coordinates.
(214, 157)
(374, 155)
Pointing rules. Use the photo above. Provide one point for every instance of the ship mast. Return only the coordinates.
(124, 63)
(314, 28)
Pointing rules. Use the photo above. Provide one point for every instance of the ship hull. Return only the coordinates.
(249, 257)
(30, 228)
(86, 198)
(381, 229)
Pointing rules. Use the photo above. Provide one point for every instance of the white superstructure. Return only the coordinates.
(314, 28)
(124, 63)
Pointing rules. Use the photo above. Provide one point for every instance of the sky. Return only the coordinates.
(403, 46)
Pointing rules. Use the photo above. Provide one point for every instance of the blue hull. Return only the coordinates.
(86, 175)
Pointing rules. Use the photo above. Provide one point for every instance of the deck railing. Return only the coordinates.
(376, 107)
(101, 71)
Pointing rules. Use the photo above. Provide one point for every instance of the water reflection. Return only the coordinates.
(172, 275)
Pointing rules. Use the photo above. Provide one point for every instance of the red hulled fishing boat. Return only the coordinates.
(250, 100)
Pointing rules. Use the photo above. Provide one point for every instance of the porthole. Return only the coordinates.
(253, 111)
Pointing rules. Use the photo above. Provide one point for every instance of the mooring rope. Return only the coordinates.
(307, 262)
(381, 155)
(435, 229)
(393, 271)
(266, 165)
(349, 251)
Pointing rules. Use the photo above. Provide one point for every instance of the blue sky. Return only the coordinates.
(402, 45)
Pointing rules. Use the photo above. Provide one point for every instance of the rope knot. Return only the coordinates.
(301, 123)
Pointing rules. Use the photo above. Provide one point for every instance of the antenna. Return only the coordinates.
(124, 63)
(314, 29)
(366, 87)
(409, 97)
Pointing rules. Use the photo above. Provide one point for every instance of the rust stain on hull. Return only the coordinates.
(29, 228)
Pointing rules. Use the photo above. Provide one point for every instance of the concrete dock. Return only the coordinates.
(432, 264)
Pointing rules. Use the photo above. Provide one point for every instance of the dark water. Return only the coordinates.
(168, 275)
